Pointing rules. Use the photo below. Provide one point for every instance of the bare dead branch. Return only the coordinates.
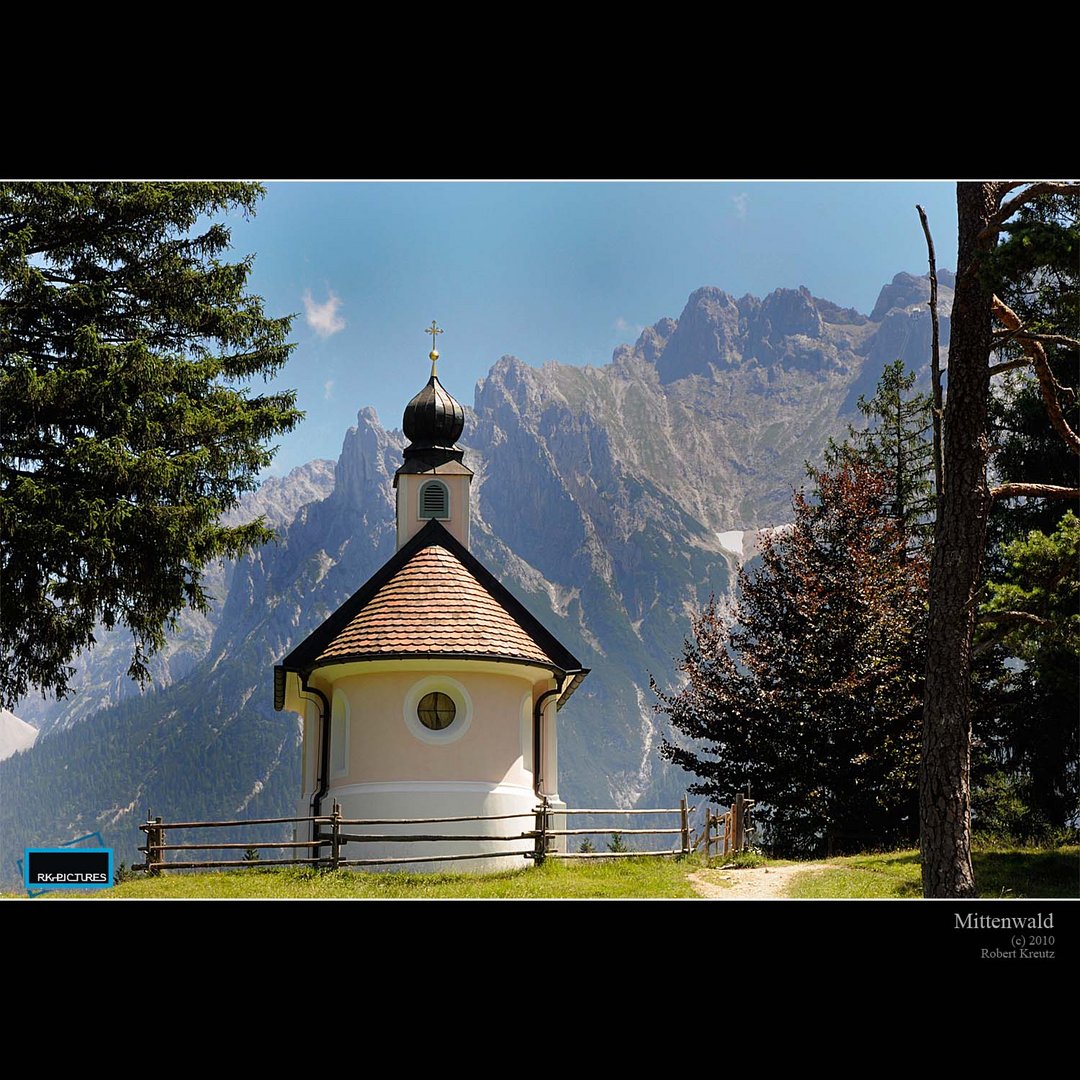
(1047, 384)
(1034, 491)
(935, 357)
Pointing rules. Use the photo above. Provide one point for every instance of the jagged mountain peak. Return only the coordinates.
(507, 372)
(511, 389)
(654, 339)
(279, 498)
(716, 331)
(366, 453)
(790, 311)
(906, 291)
(788, 329)
(707, 332)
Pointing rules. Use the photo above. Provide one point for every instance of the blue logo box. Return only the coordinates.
(67, 868)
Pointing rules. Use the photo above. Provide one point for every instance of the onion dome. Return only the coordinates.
(433, 420)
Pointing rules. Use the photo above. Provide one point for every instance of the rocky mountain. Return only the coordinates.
(613, 501)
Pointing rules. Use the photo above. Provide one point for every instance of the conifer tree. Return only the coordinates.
(1027, 742)
(896, 442)
(1032, 254)
(128, 426)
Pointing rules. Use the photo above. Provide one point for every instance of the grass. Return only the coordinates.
(999, 872)
(893, 875)
(743, 860)
(584, 879)
(1023, 872)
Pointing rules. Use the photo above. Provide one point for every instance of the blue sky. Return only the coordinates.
(543, 271)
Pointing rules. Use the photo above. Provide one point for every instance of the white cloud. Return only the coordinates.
(624, 326)
(323, 318)
(741, 203)
(328, 389)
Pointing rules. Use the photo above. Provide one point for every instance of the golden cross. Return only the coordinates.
(433, 330)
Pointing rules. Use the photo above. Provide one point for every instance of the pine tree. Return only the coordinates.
(1030, 257)
(128, 427)
(1025, 715)
(1037, 270)
(1025, 721)
(897, 443)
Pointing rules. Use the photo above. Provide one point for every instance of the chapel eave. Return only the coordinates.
(521, 638)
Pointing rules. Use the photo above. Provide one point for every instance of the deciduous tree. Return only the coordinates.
(812, 693)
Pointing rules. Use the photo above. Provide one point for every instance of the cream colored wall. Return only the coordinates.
(393, 773)
(409, 521)
(383, 748)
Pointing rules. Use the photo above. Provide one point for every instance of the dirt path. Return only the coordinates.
(762, 883)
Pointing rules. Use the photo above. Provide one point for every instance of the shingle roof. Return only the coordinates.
(431, 599)
(433, 605)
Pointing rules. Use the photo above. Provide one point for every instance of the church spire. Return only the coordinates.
(433, 420)
(433, 482)
(434, 354)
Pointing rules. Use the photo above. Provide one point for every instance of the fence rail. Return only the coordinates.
(545, 850)
(725, 832)
(729, 831)
(330, 837)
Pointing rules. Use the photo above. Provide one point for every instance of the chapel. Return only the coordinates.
(432, 692)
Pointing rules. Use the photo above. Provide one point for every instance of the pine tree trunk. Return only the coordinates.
(959, 542)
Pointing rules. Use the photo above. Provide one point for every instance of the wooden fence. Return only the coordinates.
(544, 832)
(156, 845)
(729, 831)
(333, 832)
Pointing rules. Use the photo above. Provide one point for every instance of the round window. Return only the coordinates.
(436, 711)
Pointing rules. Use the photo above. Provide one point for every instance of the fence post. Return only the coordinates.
(708, 832)
(684, 815)
(335, 836)
(727, 834)
(541, 833)
(740, 830)
(153, 847)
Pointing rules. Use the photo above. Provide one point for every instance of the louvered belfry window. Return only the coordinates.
(434, 500)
